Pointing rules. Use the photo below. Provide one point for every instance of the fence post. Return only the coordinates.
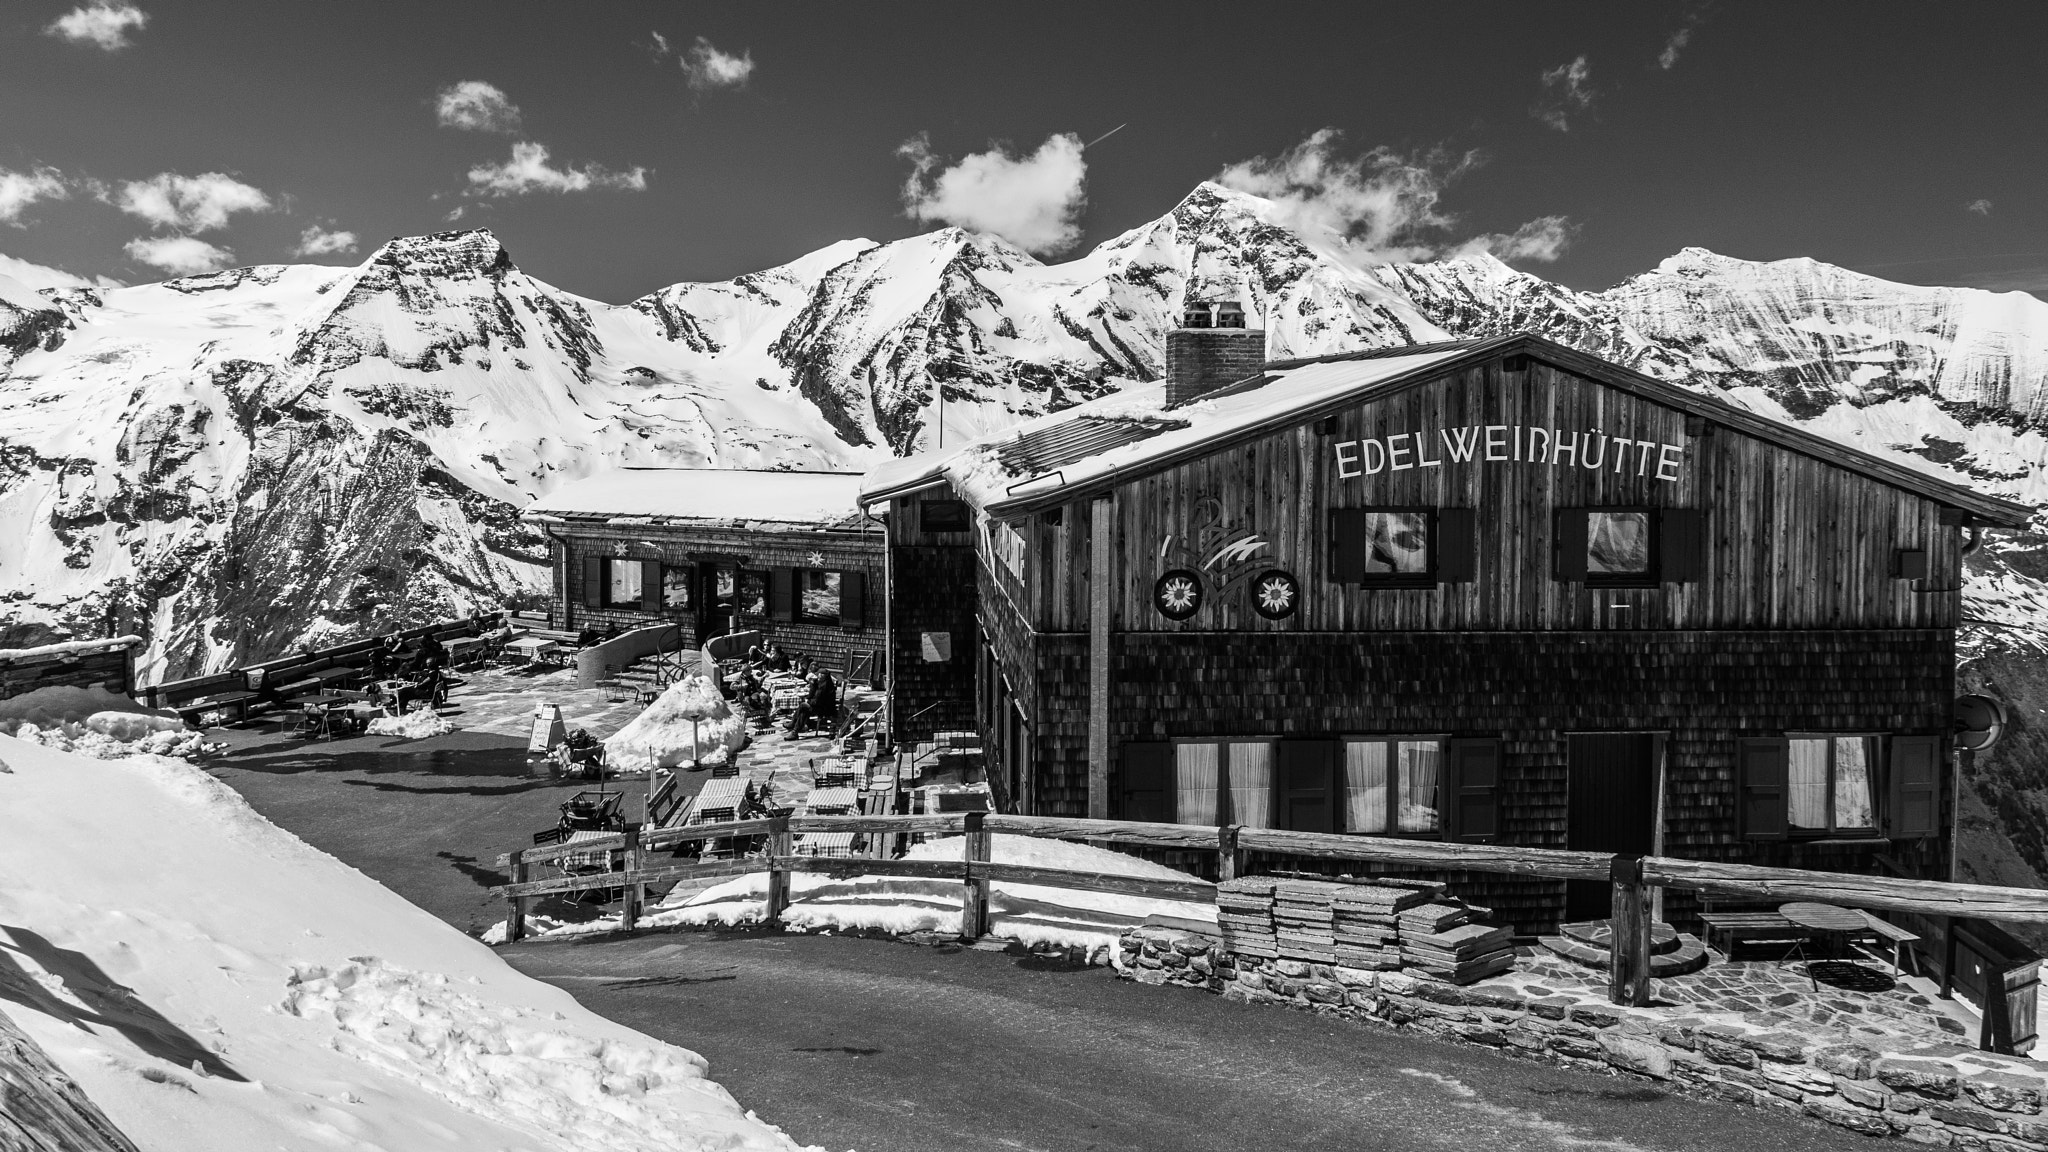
(1229, 862)
(1628, 957)
(634, 893)
(779, 846)
(974, 893)
(515, 922)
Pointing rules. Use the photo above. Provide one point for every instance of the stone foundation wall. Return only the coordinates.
(1940, 1094)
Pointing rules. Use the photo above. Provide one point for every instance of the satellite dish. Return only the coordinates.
(1980, 721)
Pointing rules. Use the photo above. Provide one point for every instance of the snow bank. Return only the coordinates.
(95, 722)
(417, 724)
(209, 980)
(668, 733)
(1028, 913)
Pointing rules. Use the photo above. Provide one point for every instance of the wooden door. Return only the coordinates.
(1612, 808)
(714, 612)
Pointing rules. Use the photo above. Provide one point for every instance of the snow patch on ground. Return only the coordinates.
(94, 722)
(417, 724)
(690, 720)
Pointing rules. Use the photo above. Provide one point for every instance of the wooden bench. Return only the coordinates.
(1733, 926)
(1887, 932)
(190, 711)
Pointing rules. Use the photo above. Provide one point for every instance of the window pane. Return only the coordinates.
(1365, 786)
(1396, 543)
(625, 581)
(1807, 804)
(1618, 543)
(1194, 778)
(753, 593)
(1853, 809)
(1251, 785)
(675, 586)
(821, 596)
(1419, 760)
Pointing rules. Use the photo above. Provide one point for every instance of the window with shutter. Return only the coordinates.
(1147, 776)
(1915, 808)
(1457, 545)
(593, 581)
(1570, 544)
(1473, 789)
(1682, 541)
(1307, 786)
(781, 594)
(650, 586)
(1384, 547)
(853, 593)
(1761, 775)
(1347, 545)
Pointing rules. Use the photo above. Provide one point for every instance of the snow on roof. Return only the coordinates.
(818, 499)
(68, 648)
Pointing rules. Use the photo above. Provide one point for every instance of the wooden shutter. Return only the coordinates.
(650, 586)
(1915, 808)
(1304, 784)
(1681, 544)
(1569, 539)
(782, 594)
(1146, 776)
(1762, 771)
(1471, 789)
(1347, 545)
(1457, 545)
(853, 599)
(593, 581)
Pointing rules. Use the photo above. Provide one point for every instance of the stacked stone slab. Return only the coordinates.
(1244, 917)
(1464, 954)
(1304, 921)
(1366, 923)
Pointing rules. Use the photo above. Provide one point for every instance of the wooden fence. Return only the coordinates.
(1632, 877)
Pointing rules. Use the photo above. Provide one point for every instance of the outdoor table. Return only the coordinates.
(1835, 921)
(535, 648)
(319, 705)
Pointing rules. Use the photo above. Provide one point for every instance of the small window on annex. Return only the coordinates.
(675, 585)
(1391, 785)
(1619, 549)
(623, 588)
(753, 593)
(818, 596)
(1828, 784)
(1396, 544)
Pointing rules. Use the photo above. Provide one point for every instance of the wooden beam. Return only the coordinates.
(1928, 897)
(974, 890)
(1101, 585)
(1544, 862)
(635, 890)
(1628, 957)
(515, 920)
(1193, 891)
(1200, 838)
(779, 846)
(44, 1109)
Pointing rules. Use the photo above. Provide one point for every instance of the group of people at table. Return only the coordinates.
(769, 673)
(400, 678)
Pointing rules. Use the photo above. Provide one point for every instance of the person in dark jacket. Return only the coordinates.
(433, 653)
(820, 702)
(777, 660)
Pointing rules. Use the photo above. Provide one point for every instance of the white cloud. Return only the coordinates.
(1543, 239)
(101, 24)
(44, 276)
(1565, 94)
(1031, 201)
(189, 203)
(661, 48)
(318, 241)
(1980, 207)
(1695, 14)
(1371, 210)
(529, 171)
(707, 67)
(475, 106)
(178, 255)
(18, 190)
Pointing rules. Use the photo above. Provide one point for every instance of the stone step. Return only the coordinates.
(1663, 938)
(1688, 957)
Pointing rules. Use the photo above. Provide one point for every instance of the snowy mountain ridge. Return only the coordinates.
(233, 462)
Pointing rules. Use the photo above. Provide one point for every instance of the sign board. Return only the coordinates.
(548, 730)
(937, 647)
(1509, 443)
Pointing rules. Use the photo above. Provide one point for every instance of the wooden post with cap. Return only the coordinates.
(780, 846)
(1628, 946)
(974, 890)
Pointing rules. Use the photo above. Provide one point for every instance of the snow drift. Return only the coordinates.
(217, 985)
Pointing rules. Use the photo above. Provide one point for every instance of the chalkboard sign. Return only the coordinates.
(547, 728)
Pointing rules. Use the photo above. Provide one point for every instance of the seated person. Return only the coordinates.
(777, 660)
(752, 691)
(385, 659)
(433, 653)
(756, 657)
(587, 637)
(821, 701)
(431, 686)
(582, 753)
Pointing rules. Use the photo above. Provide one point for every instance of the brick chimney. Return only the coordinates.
(1210, 349)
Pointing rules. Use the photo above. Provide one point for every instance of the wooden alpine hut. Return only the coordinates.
(1492, 590)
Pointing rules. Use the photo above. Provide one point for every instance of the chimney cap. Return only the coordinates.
(1212, 314)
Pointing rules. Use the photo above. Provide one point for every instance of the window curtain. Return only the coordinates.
(1251, 784)
(1365, 786)
(626, 588)
(1195, 775)
(1807, 802)
(1853, 807)
(1421, 764)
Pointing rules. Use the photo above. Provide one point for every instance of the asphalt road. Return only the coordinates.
(891, 1047)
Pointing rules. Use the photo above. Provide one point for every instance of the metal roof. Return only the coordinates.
(1049, 449)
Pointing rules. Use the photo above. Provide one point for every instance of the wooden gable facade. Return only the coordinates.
(1521, 595)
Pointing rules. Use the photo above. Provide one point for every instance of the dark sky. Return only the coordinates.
(1856, 133)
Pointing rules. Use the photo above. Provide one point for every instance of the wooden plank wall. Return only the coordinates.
(934, 588)
(111, 668)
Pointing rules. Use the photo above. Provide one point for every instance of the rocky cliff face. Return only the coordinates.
(234, 462)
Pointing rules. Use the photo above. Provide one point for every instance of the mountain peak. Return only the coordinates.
(471, 251)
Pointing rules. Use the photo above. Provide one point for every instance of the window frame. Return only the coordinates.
(944, 516)
(637, 603)
(689, 574)
(1427, 578)
(1877, 768)
(1393, 740)
(1652, 574)
(803, 615)
(1226, 807)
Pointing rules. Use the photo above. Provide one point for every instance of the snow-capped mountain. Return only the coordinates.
(233, 462)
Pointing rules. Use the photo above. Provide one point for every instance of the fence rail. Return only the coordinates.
(1631, 877)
